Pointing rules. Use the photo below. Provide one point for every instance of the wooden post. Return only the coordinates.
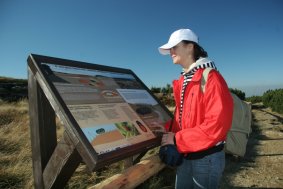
(133, 176)
(62, 164)
(128, 162)
(53, 164)
(42, 129)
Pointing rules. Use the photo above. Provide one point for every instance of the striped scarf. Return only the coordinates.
(200, 63)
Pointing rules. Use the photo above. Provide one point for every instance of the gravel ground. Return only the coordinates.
(262, 166)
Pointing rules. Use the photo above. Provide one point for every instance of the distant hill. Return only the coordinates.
(13, 89)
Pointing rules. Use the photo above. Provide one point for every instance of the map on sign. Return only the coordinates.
(113, 109)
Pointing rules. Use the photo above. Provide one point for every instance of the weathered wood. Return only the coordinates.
(133, 176)
(128, 162)
(42, 129)
(53, 164)
(62, 164)
(139, 157)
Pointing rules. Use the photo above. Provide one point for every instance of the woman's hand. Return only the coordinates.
(168, 138)
(157, 128)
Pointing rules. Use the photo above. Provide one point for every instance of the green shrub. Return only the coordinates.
(267, 97)
(155, 89)
(167, 100)
(274, 100)
(254, 99)
(239, 93)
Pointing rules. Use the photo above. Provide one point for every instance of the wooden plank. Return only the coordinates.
(62, 164)
(133, 176)
(42, 128)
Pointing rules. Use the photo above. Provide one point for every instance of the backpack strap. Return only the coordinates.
(204, 78)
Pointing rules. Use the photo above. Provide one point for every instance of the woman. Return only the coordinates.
(201, 119)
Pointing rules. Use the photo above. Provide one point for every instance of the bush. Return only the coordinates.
(167, 100)
(254, 99)
(164, 94)
(239, 93)
(155, 89)
(274, 100)
(266, 98)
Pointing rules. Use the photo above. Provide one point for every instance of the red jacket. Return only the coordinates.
(206, 117)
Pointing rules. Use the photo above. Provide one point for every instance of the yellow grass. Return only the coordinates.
(15, 152)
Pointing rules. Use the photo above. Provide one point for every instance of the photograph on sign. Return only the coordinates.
(114, 110)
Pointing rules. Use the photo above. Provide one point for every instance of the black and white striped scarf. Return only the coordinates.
(200, 63)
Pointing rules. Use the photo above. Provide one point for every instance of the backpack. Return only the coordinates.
(237, 136)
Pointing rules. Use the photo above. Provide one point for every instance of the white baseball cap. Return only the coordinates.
(176, 37)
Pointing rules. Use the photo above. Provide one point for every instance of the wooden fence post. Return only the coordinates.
(53, 164)
(62, 164)
(42, 129)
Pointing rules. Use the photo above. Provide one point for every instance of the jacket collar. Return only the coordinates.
(201, 61)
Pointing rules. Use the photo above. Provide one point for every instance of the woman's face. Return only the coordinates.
(180, 53)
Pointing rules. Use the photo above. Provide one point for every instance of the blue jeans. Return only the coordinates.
(201, 173)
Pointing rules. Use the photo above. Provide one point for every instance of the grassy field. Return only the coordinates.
(15, 151)
(16, 162)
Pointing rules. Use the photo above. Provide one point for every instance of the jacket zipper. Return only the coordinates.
(190, 109)
(181, 125)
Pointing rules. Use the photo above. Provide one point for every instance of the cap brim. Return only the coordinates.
(165, 49)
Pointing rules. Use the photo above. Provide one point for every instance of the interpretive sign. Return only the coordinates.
(108, 110)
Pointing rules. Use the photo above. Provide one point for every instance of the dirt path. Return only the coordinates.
(262, 166)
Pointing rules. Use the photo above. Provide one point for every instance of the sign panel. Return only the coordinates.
(112, 107)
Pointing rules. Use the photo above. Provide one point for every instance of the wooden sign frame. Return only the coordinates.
(54, 162)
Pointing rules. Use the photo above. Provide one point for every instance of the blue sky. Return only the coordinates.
(243, 37)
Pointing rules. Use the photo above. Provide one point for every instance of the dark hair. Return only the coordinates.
(198, 50)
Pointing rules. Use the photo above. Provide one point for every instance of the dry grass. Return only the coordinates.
(15, 152)
(16, 162)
